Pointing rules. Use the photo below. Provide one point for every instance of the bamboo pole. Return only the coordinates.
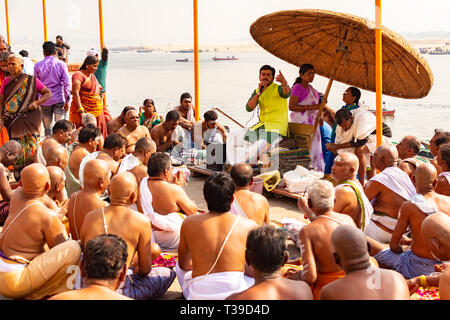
(341, 50)
(228, 116)
(7, 23)
(44, 17)
(378, 73)
(196, 94)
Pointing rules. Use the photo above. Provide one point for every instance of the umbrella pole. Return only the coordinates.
(337, 60)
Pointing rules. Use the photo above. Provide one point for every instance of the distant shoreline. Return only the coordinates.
(254, 47)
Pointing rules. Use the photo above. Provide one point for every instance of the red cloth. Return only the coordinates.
(4, 137)
(101, 124)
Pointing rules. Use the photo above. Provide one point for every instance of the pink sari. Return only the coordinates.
(310, 96)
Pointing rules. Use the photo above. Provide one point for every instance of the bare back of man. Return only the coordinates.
(93, 292)
(410, 215)
(255, 206)
(169, 197)
(113, 165)
(316, 239)
(75, 159)
(80, 204)
(114, 125)
(276, 289)
(32, 228)
(443, 185)
(139, 172)
(386, 200)
(46, 143)
(347, 203)
(133, 227)
(359, 285)
(203, 235)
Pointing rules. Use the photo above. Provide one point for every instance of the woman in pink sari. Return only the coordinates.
(304, 105)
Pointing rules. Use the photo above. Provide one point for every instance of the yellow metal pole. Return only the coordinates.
(378, 72)
(7, 22)
(197, 104)
(100, 16)
(44, 15)
(102, 43)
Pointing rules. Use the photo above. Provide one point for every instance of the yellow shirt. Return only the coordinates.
(273, 110)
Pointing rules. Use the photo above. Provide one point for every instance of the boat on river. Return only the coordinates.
(389, 113)
(225, 59)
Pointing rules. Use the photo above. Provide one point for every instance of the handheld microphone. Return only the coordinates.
(261, 89)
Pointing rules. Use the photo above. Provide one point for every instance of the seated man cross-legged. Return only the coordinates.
(265, 254)
(362, 281)
(27, 270)
(164, 201)
(387, 191)
(103, 268)
(247, 203)
(350, 196)
(143, 282)
(211, 254)
(319, 267)
(419, 259)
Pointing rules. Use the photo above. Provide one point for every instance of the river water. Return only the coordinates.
(133, 76)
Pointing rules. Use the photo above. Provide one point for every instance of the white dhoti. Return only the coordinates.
(237, 210)
(128, 162)
(398, 182)
(170, 224)
(364, 123)
(213, 286)
(376, 233)
(446, 175)
(40, 156)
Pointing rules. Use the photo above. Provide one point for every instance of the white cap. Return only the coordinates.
(92, 52)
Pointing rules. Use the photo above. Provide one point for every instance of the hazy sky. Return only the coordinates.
(171, 21)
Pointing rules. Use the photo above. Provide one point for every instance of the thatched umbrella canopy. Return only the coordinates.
(317, 36)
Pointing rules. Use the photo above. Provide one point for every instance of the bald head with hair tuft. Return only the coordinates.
(95, 173)
(35, 179)
(242, 174)
(350, 245)
(144, 144)
(385, 156)
(123, 186)
(425, 175)
(56, 155)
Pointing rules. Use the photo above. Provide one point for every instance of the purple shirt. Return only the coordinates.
(54, 75)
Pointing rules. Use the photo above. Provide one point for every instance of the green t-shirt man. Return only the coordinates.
(100, 74)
